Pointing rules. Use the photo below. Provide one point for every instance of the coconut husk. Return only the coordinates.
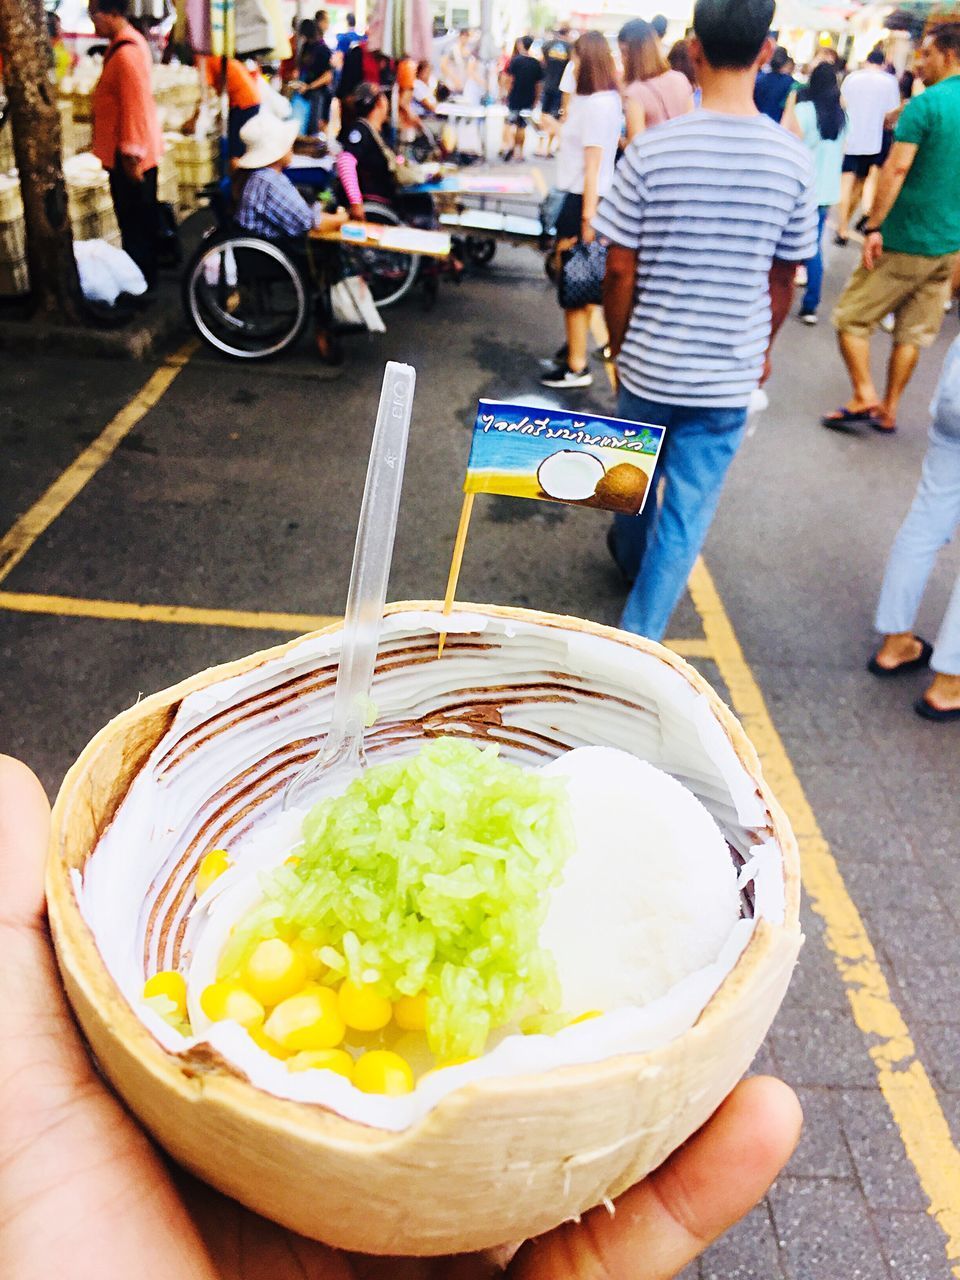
(497, 1160)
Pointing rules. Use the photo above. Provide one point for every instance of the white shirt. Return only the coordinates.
(868, 95)
(594, 120)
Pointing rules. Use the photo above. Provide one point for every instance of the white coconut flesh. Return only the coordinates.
(645, 925)
(570, 475)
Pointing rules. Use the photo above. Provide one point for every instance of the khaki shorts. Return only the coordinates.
(914, 288)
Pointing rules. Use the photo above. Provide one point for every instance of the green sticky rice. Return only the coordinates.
(431, 874)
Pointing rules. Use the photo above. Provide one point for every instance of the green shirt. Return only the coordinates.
(926, 216)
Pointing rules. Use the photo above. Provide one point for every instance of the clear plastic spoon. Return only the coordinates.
(342, 752)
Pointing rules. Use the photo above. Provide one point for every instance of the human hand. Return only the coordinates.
(587, 233)
(85, 1195)
(358, 213)
(872, 249)
(340, 216)
(132, 167)
(767, 369)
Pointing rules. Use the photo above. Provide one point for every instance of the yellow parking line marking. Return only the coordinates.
(902, 1078)
(18, 540)
(127, 611)
(690, 648)
(124, 611)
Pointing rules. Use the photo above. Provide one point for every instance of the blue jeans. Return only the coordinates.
(658, 548)
(811, 299)
(931, 522)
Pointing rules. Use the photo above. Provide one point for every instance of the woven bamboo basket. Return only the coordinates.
(196, 160)
(496, 1159)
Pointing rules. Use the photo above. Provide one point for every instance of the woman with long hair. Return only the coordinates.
(680, 59)
(819, 120)
(652, 91)
(586, 156)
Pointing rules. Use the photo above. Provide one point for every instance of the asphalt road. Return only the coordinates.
(239, 491)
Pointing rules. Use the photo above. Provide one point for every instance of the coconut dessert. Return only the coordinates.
(515, 964)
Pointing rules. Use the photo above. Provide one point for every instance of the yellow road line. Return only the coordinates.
(124, 611)
(902, 1078)
(690, 648)
(18, 540)
(297, 623)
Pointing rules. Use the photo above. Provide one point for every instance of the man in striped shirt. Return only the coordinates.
(707, 219)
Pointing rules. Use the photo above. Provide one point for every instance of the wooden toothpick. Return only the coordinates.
(458, 547)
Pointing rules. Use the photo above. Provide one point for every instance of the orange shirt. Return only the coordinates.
(124, 113)
(406, 74)
(243, 91)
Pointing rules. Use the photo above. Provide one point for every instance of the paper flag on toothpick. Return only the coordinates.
(582, 460)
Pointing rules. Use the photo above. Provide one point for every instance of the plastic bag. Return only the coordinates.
(300, 111)
(352, 304)
(106, 271)
(276, 103)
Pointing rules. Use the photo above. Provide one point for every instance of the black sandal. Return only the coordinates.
(904, 668)
(923, 708)
(843, 418)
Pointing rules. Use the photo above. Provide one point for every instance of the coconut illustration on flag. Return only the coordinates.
(570, 475)
(518, 962)
(622, 489)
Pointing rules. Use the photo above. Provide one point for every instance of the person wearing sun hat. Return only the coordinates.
(272, 207)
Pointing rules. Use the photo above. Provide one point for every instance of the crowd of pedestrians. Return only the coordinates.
(708, 216)
(698, 182)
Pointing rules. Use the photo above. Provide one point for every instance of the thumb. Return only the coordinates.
(669, 1219)
(79, 1180)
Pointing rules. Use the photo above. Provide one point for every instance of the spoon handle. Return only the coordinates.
(367, 595)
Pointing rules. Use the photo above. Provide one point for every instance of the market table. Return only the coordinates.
(487, 121)
(412, 240)
(485, 220)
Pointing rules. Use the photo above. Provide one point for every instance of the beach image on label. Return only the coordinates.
(583, 460)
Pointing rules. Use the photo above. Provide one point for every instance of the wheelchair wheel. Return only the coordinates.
(390, 276)
(245, 297)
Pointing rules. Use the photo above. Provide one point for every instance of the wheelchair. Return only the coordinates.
(250, 298)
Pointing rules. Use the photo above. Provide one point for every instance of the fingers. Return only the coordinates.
(670, 1218)
(80, 1185)
(24, 824)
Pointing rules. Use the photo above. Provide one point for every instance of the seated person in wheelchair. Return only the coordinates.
(380, 174)
(271, 206)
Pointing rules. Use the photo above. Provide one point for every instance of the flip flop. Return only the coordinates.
(882, 430)
(923, 708)
(903, 668)
(843, 418)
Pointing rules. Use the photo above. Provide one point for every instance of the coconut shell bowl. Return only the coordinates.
(488, 1152)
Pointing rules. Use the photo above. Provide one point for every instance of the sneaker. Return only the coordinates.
(888, 323)
(563, 377)
(841, 241)
(808, 317)
(559, 357)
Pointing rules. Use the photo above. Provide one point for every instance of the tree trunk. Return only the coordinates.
(37, 145)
